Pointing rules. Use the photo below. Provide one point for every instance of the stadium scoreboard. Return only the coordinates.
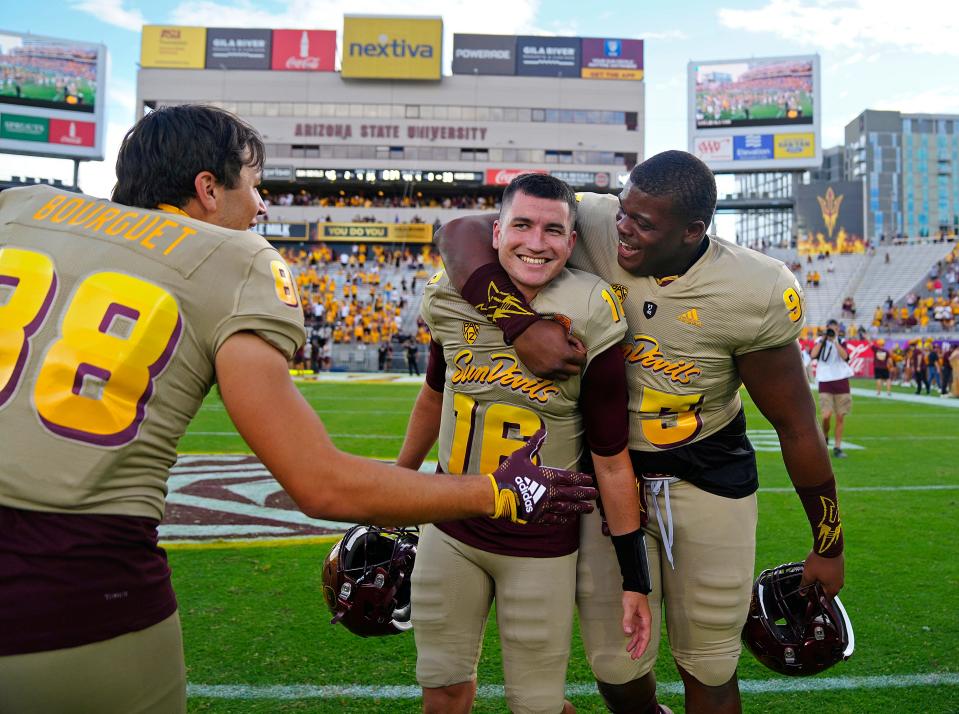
(52, 97)
(759, 114)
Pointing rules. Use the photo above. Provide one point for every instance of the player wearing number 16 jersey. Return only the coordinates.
(705, 317)
(115, 321)
(483, 403)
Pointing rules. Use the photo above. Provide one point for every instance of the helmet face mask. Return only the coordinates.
(793, 631)
(366, 580)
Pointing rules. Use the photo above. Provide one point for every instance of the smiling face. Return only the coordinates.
(534, 239)
(653, 238)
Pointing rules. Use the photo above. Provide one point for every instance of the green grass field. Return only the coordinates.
(254, 619)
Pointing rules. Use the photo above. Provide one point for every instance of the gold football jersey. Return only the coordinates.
(110, 319)
(684, 336)
(491, 402)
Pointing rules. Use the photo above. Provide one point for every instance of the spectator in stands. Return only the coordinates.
(832, 375)
(848, 306)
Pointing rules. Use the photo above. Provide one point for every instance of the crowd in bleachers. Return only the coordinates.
(377, 199)
(936, 308)
(359, 294)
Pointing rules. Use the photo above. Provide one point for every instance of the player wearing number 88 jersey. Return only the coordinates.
(116, 318)
(484, 404)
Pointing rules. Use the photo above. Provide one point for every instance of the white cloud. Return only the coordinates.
(112, 12)
(122, 95)
(930, 101)
(922, 26)
(667, 35)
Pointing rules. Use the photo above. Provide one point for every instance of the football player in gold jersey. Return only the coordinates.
(704, 317)
(481, 404)
(115, 321)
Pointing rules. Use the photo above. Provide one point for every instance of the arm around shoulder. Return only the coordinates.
(466, 244)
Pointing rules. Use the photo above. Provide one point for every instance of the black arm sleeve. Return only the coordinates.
(604, 403)
(436, 367)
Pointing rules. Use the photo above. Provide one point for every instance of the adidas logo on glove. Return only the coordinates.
(530, 491)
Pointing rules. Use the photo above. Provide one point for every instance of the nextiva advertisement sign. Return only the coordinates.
(304, 50)
(484, 54)
(548, 56)
(391, 47)
(612, 59)
(753, 147)
(229, 48)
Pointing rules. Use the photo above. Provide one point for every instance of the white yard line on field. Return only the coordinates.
(493, 691)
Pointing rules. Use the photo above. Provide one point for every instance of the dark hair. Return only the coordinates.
(540, 186)
(164, 151)
(681, 177)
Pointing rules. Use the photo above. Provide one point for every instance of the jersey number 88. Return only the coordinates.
(116, 334)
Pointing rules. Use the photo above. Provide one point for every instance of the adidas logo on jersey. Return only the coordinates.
(530, 491)
(690, 317)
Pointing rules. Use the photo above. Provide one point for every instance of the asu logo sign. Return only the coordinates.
(173, 47)
(392, 47)
(470, 332)
(622, 292)
(829, 206)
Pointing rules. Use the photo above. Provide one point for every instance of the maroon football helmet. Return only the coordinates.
(796, 631)
(366, 580)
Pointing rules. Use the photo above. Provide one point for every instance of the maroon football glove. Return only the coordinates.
(527, 493)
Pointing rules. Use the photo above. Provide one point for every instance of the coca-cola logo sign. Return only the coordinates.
(502, 177)
(304, 50)
(303, 63)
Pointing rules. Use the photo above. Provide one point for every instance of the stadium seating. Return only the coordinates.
(867, 277)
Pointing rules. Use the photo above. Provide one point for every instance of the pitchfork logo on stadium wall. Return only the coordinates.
(829, 206)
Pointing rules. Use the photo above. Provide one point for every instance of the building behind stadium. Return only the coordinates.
(377, 116)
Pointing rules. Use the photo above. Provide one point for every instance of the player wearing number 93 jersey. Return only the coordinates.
(115, 321)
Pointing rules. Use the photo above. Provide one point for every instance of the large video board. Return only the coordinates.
(756, 114)
(52, 96)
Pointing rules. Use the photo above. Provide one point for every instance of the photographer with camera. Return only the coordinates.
(832, 376)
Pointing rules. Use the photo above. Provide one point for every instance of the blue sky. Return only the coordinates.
(876, 54)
